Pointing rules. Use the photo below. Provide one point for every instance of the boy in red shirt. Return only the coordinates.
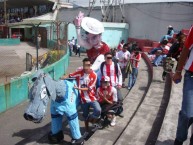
(86, 79)
(107, 96)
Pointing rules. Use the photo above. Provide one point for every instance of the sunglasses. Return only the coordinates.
(104, 82)
(86, 64)
(109, 57)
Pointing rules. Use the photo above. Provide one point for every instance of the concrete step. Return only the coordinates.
(138, 131)
(109, 136)
(168, 130)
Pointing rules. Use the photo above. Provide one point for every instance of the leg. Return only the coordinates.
(56, 135)
(85, 108)
(135, 73)
(186, 113)
(130, 81)
(74, 126)
(96, 111)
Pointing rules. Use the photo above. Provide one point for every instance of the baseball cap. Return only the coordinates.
(92, 25)
(105, 79)
(170, 26)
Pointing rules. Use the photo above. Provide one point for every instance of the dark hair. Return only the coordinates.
(125, 45)
(164, 42)
(108, 53)
(86, 59)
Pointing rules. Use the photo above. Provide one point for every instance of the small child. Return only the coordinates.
(107, 96)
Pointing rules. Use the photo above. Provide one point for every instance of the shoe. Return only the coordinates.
(96, 126)
(85, 135)
(113, 122)
(129, 88)
(77, 141)
(177, 142)
(123, 85)
(56, 138)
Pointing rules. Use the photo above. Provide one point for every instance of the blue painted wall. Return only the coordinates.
(9, 42)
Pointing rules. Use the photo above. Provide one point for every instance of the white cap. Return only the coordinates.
(92, 25)
(105, 79)
(170, 26)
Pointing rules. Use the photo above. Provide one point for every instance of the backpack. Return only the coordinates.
(116, 68)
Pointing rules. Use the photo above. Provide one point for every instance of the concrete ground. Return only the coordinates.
(13, 59)
(133, 129)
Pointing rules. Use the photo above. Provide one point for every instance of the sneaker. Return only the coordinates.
(113, 122)
(85, 135)
(129, 88)
(96, 126)
(77, 141)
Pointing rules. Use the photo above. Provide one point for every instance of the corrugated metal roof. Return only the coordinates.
(85, 3)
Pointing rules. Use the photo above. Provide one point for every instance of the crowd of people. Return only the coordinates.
(168, 51)
(100, 89)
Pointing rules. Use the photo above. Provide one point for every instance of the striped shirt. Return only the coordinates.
(86, 81)
(189, 45)
(109, 70)
(135, 64)
(111, 94)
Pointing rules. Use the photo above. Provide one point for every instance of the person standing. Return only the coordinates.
(134, 60)
(113, 71)
(123, 57)
(185, 118)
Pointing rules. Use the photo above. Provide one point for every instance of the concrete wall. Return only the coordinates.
(9, 42)
(147, 21)
(16, 91)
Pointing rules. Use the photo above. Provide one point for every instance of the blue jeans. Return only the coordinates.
(132, 77)
(157, 61)
(96, 110)
(166, 37)
(185, 118)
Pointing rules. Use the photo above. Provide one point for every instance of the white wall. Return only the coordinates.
(147, 21)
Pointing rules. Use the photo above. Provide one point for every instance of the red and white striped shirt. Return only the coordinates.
(109, 70)
(86, 81)
(111, 94)
(189, 45)
(135, 60)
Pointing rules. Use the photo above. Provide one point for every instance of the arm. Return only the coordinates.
(81, 89)
(97, 63)
(64, 77)
(77, 23)
(181, 63)
(183, 56)
(119, 77)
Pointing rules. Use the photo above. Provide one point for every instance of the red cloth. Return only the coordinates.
(189, 45)
(93, 53)
(86, 81)
(111, 95)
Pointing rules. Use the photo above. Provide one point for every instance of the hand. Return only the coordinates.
(77, 21)
(75, 87)
(119, 87)
(177, 77)
(64, 77)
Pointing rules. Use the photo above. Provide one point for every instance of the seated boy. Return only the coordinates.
(107, 96)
